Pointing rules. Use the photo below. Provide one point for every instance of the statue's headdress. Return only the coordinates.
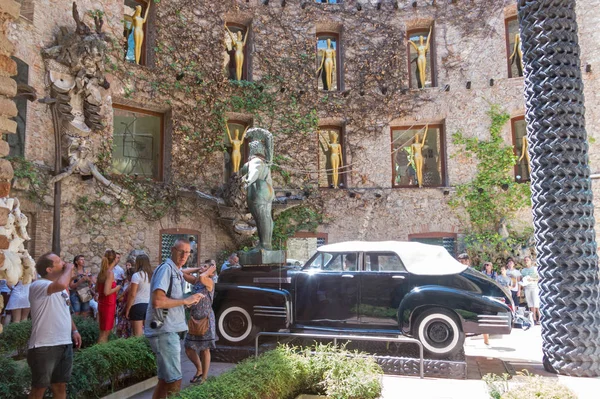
(260, 143)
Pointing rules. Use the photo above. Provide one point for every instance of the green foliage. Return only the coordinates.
(152, 199)
(525, 386)
(493, 196)
(89, 331)
(15, 379)
(299, 218)
(114, 362)
(38, 179)
(286, 372)
(14, 338)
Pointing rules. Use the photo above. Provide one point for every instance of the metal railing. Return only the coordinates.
(335, 337)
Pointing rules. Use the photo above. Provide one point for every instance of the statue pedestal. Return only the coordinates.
(262, 257)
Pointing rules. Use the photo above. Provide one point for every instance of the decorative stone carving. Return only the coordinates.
(18, 264)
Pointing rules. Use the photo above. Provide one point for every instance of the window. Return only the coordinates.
(446, 240)
(513, 48)
(519, 134)
(331, 157)
(16, 141)
(236, 61)
(328, 61)
(132, 12)
(27, 8)
(407, 143)
(137, 142)
(421, 69)
(383, 262)
(334, 262)
(237, 147)
(303, 246)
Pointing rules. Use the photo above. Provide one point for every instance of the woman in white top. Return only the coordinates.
(139, 295)
(18, 304)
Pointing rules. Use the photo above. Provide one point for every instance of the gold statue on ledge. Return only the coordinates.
(239, 45)
(335, 156)
(417, 153)
(421, 50)
(328, 65)
(236, 148)
(137, 24)
(525, 153)
(517, 54)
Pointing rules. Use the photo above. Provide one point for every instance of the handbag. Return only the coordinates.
(84, 294)
(198, 327)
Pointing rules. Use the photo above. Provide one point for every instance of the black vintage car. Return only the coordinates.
(383, 288)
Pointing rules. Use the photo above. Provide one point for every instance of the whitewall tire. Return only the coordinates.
(440, 332)
(235, 325)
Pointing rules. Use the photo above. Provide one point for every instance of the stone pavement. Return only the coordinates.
(521, 350)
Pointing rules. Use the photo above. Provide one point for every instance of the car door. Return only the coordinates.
(326, 291)
(383, 284)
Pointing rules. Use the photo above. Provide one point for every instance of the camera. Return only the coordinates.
(158, 318)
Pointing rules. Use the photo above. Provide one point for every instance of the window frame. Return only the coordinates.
(442, 138)
(338, 58)
(143, 56)
(383, 253)
(513, 133)
(508, 48)
(343, 170)
(246, 65)
(245, 149)
(432, 57)
(161, 164)
(436, 234)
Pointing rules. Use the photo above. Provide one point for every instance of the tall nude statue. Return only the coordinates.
(335, 157)
(421, 50)
(236, 145)
(417, 150)
(257, 178)
(525, 153)
(517, 54)
(239, 45)
(137, 23)
(328, 65)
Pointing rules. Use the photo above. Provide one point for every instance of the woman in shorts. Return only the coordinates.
(139, 295)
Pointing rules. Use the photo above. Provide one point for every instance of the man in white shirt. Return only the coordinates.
(53, 333)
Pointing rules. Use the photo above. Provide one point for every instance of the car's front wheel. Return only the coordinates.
(235, 325)
(440, 332)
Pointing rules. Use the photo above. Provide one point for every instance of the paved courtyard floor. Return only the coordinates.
(521, 350)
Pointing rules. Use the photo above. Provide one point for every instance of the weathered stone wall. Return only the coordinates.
(465, 51)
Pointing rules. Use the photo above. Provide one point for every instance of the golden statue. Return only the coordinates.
(239, 45)
(137, 24)
(417, 152)
(328, 65)
(421, 50)
(525, 153)
(236, 146)
(517, 54)
(335, 156)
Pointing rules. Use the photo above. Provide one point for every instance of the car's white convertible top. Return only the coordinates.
(418, 258)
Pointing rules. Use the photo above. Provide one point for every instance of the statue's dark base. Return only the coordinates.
(393, 359)
(262, 257)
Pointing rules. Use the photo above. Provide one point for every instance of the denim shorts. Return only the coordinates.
(77, 305)
(167, 349)
(50, 365)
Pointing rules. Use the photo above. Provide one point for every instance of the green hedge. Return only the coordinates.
(16, 335)
(286, 372)
(97, 370)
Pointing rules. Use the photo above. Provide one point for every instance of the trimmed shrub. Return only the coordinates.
(285, 373)
(15, 337)
(103, 368)
(15, 378)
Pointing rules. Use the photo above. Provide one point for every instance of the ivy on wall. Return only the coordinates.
(306, 217)
(493, 197)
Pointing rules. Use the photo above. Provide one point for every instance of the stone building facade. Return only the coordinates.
(182, 81)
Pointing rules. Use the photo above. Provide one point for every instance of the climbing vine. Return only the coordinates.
(493, 197)
(304, 217)
(34, 177)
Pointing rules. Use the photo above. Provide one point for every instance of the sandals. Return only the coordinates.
(196, 378)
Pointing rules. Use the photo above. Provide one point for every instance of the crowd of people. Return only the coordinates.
(520, 283)
(133, 301)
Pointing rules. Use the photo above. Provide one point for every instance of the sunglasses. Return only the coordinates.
(66, 297)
